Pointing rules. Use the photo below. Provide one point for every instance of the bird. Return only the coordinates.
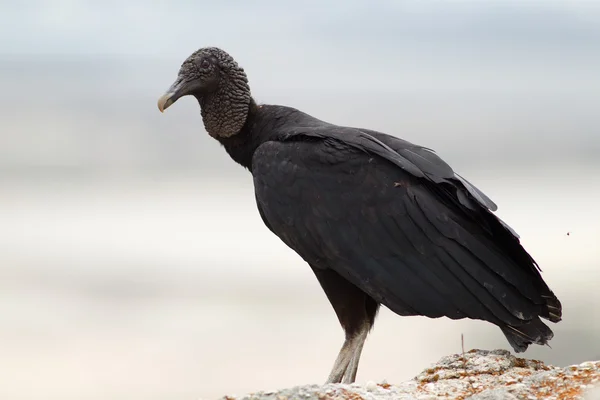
(379, 220)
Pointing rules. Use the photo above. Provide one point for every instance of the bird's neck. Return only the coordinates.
(224, 112)
(241, 146)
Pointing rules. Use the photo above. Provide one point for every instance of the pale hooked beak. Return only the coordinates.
(175, 92)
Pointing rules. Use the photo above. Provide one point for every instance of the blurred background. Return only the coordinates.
(133, 261)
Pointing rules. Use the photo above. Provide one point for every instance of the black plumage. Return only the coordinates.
(378, 219)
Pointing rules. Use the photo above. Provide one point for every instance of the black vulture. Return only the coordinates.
(378, 219)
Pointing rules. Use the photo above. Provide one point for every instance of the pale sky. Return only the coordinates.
(505, 71)
(171, 27)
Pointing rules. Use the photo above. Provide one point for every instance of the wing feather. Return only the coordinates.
(341, 206)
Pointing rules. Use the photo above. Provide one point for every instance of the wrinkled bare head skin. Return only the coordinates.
(221, 87)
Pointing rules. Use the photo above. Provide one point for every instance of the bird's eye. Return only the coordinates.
(205, 64)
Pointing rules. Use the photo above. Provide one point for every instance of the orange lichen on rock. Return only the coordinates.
(474, 375)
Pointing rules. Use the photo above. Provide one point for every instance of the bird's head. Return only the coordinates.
(204, 73)
(221, 87)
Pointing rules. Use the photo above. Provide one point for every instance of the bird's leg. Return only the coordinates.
(343, 360)
(346, 364)
(356, 312)
(361, 337)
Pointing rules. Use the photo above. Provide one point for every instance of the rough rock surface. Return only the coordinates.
(478, 375)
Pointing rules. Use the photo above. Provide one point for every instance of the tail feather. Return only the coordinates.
(520, 337)
(553, 310)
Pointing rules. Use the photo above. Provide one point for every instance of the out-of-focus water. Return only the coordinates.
(173, 288)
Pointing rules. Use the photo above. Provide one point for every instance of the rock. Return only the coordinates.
(479, 375)
(494, 394)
